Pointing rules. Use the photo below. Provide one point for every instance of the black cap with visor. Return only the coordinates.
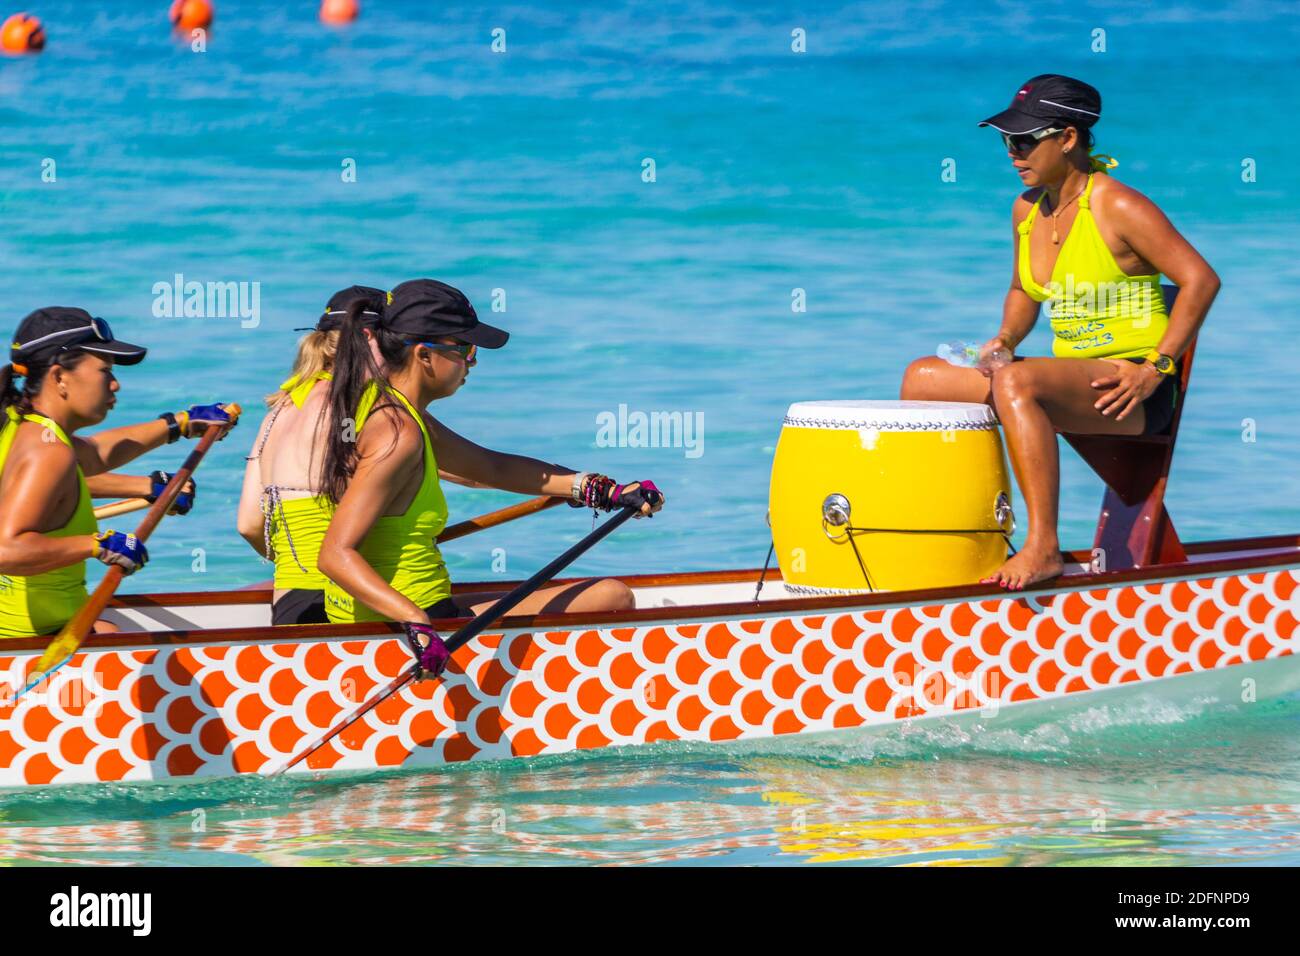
(47, 332)
(1048, 100)
(423, 309)
(331, 319)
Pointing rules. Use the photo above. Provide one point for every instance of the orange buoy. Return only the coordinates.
(191, 14)
(22, 33)
(339, 11)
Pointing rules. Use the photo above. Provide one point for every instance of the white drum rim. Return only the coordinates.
(885, 416)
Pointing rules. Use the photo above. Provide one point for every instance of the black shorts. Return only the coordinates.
(445, 609)
(1159, 407)
(300, 606)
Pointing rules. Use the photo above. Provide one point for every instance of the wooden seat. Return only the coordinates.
(1134, 530)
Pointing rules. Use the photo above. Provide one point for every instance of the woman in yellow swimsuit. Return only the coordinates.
(64, 358)
(1094, 250)
(382, 464)
(282, 513)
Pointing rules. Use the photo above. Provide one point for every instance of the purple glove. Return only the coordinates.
(645, 493)
(603, 492)
(431, 654)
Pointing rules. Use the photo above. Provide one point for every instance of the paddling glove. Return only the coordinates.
(644, 493)
(184, 501)
(431, 654)
(197, 418)
(124, 550)
(603, 492)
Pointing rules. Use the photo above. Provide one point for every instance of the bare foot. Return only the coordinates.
(1029, 566)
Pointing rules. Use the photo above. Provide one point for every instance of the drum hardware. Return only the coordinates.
(771, 550)
(835, 511)
(1002, 511)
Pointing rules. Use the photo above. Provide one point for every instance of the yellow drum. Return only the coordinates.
(888, 496)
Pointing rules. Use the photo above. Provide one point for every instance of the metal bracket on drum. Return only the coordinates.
(835, 512)
(1002, 512)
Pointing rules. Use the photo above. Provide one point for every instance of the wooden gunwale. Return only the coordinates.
(1287, 554)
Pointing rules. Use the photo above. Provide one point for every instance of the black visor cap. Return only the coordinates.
(49, 331)
(332, 318)
(1048, 100)
(425, 309)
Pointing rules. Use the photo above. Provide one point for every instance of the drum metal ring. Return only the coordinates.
(835, 513)
(1002, 512)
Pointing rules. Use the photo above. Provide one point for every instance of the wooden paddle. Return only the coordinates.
(500, 516)
(468, 632)
(68, 640)
(125, 506)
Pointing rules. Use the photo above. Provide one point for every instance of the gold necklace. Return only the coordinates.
(1056, 238)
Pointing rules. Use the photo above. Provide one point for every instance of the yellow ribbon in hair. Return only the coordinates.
(1101, 163)
(20, 369)
(299, 389)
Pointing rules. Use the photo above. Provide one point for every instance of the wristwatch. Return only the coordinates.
(1163, 363)
(173, 427)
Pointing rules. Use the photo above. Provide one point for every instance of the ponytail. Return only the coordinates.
(33, 376)
(1101, 163)
(10, 396)
(316, 354)
(355, 370)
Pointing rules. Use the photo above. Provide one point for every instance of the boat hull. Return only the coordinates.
(178, 704)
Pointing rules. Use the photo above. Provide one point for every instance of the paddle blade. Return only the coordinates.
(63, 646)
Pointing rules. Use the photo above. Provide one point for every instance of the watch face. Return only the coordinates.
(1164, 363)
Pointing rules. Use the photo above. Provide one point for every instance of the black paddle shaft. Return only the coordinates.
(508, 603)
(468, 632)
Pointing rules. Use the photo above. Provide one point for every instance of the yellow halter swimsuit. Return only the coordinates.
(401, 548)
(294, 528)
(43, 603)
(1097, 311)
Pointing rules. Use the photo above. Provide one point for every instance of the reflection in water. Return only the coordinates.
(1203, 789)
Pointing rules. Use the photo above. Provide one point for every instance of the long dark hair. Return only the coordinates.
(33, 376)
(354, 370)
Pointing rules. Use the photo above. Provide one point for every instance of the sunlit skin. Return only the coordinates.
(39, 490)
(291, 459)
(389, 471)
(1036, 396)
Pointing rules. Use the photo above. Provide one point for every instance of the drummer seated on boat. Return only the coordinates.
(380, 554)
(1099, 248)
(64, 359)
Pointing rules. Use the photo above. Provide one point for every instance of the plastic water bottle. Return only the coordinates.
(967, 355)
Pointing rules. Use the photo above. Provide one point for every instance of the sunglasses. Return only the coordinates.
(1022, 142)
(97, 331)
(465, 350)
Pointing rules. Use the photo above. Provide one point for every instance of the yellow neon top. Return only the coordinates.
(1096, 309)
(43, 603)
(401, 548)
(295, 527)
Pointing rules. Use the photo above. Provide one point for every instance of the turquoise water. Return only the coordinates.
(775, 171)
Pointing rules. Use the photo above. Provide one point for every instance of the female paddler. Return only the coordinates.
(382, 471)
(1094, 250)
(64, 359)
(282, 513)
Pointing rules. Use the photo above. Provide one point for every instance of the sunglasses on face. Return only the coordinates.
(465, 350)
(1022, 142)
